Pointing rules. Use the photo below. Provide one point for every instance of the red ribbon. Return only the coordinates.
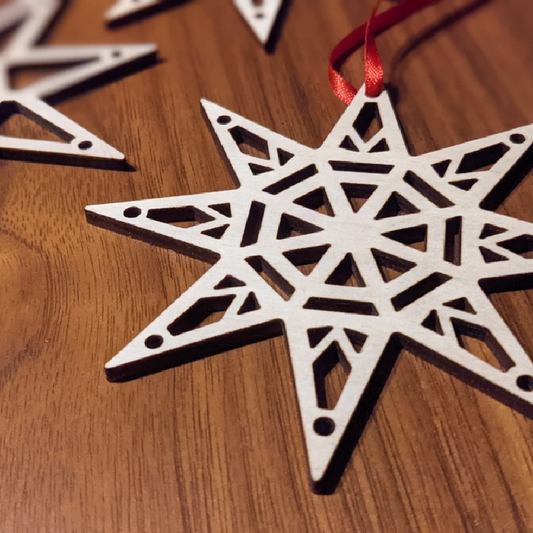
(366, 33)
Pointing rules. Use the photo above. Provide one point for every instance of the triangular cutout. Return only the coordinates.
(396, 206)
(358, 194)
(250, 304)
(415, 237)
(348, 144)
(223, 209)
(381, 146)
(357, 339)
(19, 78)
(316, 200)
(441, 167)
(315, 335)
(284, 157)
(216, 233)
(390, 266)
(17, 122)
(461, 304)
(259, 169)
(464, 185)
(291, 226)
(229, 282)
(432, 322)
(490, 230)
(491, 257)
(306, 259)
(346, 274)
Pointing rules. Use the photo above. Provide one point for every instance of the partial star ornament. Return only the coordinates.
(260, 15)
(29, 20)
(354, 251)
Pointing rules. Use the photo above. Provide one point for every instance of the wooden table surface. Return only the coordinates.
(215, 445)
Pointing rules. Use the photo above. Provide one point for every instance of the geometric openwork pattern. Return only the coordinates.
(261, 15)
(23, 24)
(353, 251)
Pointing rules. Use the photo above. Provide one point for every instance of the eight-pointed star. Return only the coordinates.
(353, 251)
(260, 15)
(29, 20)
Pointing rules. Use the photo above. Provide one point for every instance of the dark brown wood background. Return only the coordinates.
(215, 446)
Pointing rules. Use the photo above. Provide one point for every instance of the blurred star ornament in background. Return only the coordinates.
(24, 22)
(261, 15)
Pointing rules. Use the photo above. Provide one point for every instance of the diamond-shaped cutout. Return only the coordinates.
(483, 159)
(480, 342)
(204, 312)
(183, 217)
(368, 123)
(331, 372)
(249, 143)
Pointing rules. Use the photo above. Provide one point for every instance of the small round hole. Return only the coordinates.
(224, 119)
(517, 138)
(153, 341)
(259, 15)
(525, 382)
(132, 212)
(85, 145)
(116, 53)
(324, 426)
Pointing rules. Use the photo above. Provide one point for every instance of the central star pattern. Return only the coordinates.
(354, 251)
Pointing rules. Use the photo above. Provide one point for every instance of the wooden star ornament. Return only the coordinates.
(29, 20)
(353, 251)
(261, 15)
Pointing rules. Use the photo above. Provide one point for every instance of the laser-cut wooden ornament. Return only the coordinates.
(404, 249)
(29, 20)
(261, 15)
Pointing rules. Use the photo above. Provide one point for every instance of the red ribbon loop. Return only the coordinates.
(366, 33)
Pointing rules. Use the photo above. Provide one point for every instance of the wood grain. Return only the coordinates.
(215, 446)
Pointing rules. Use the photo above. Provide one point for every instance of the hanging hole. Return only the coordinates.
(224, 119)
(132, 212)
(85, 145)
(116, 53)
(324, 426)
(517, 138)
(153, 342)
(525, 382)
